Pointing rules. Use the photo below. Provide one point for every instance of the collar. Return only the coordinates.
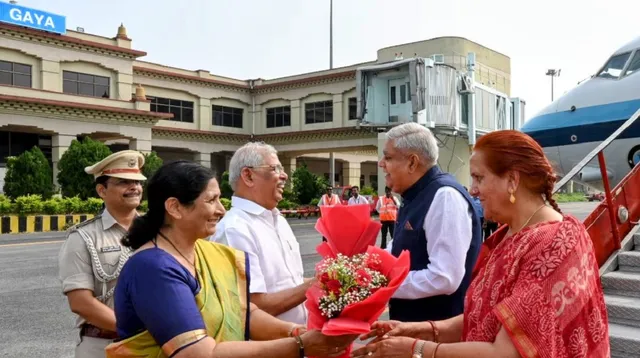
(251, 207)
(422, 183)
(108, 220)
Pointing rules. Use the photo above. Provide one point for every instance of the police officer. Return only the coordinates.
(91, 258)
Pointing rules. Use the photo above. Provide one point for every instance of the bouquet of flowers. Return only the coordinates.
(356, 279)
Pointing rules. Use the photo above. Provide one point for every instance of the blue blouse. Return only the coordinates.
(156, 293)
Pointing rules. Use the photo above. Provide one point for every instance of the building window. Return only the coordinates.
(15, 74)
(318, 112)
(85, 84)
(182, 110)
(353, 108)
(279, 117)
(227, 116)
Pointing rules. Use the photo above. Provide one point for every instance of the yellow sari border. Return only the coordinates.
(182, 340)
(519, 338)
(243, 283)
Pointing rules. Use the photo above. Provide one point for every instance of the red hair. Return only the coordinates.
(510, 150)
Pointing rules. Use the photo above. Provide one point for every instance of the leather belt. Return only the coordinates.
(89, 330)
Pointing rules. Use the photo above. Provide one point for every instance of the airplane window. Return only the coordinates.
(613, 68)
(634, 65)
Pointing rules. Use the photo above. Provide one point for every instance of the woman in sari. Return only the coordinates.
(535, 290)
(179, 296)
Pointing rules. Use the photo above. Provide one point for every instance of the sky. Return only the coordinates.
(268, 39)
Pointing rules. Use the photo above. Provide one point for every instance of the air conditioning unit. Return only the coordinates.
(438, 58)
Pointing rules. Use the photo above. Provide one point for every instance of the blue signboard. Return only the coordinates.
(35, 19)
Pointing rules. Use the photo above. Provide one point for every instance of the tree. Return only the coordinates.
(152, 162)
(306, 185)
(29, 174)
(225, 186)
(72, 178)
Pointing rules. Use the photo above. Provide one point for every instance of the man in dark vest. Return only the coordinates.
(437, 223)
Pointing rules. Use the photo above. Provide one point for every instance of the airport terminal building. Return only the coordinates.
(57, 85)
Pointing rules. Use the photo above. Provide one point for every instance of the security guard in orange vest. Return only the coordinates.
(387, 207)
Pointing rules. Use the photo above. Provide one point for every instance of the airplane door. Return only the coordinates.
(398, 100)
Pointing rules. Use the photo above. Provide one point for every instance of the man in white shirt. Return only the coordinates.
(329, 199)
(436, 223)
(255, 226)
(356, 198)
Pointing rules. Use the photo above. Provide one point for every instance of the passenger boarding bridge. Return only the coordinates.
(450, 102)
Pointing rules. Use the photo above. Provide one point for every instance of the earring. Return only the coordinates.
(512, 198)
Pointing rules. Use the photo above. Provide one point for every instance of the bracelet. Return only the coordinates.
(300, 346)
(294, 331)
(436, 334)
(413, 346)
(435, 350)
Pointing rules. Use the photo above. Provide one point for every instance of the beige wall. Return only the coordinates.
(492, 68)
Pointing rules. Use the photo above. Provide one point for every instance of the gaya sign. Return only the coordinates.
(35, 19)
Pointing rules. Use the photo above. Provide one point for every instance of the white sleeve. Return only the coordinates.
(448, 228)
(240, 238)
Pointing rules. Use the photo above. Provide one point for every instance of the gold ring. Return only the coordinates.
(370, 353)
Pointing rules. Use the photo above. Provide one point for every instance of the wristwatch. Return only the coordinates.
(417, 350)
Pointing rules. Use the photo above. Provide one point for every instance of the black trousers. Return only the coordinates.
(387, 226)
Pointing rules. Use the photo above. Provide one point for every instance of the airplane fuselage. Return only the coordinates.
(577, 122)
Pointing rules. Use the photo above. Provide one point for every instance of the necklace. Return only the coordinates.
(180, 253)
(529, 219)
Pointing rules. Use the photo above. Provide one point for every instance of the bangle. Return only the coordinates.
(413, 346)
(436, 334)
(294, 331)
(435, 350)
(300, 346)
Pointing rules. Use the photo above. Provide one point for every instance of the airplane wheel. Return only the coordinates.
(634, 156)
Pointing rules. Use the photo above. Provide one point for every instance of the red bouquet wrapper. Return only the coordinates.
(349, 231)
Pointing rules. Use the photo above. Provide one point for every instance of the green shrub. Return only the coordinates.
(73, 205)
(225, 187)
(285, 204)
(53, 206)
(226, 203)
(367, 190)
(5, 205)
(306, 185)
(288, 194)
(152, 162)
(73, 180)
(29, 173)
(315, 202)
(569, 198)
(29, 204)
(92, 206)
(144, 206)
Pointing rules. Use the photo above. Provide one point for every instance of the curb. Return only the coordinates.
(14, 224)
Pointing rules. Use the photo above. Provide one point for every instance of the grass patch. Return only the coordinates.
(569, 198)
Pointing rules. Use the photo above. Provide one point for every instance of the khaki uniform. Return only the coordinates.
(91, 258)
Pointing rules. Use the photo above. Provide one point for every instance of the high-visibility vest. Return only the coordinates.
(329, 200)
(388, 209)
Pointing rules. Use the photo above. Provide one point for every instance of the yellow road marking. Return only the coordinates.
(31, 243)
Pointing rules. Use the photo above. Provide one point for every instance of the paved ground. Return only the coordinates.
(34, 317)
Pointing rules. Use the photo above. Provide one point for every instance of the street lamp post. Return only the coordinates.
(553, 73)
(330, 34)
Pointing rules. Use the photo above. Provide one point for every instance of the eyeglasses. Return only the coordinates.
(278, 169)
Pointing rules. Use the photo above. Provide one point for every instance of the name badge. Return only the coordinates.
(111, 249)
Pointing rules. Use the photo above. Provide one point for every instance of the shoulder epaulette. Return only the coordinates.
(84, 223)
